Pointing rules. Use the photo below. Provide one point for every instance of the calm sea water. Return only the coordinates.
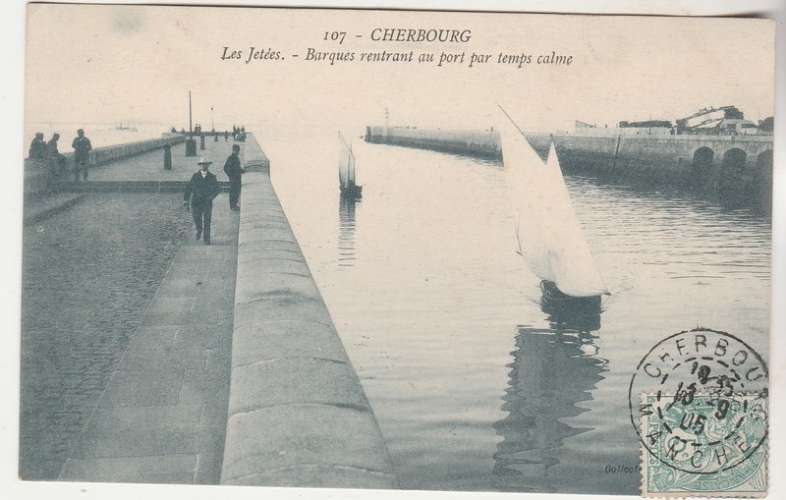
(475, 386)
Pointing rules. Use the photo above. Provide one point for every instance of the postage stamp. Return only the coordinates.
(704, 445)
(701, 417)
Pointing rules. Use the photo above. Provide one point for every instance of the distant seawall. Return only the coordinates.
(738, 168)
(37, 174)
(468, 142)
(297, 413)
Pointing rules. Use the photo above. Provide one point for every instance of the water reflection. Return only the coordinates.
(553, 370)
(346, 231)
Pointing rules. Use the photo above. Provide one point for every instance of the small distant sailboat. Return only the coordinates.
(125, 127)
(346, 171)
(548, 231)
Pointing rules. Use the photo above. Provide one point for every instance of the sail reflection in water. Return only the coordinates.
(553, 370)
(346, 231)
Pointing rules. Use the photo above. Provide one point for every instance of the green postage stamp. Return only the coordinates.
(704, 445)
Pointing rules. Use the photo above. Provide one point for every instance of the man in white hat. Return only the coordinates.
(201, 191)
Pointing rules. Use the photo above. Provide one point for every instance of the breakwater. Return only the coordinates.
(475, 143)
(243, 311)
(297, 415)
(737, 169)
(37, 175)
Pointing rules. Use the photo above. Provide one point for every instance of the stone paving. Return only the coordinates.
(162, 417)
(88, 274)
(41, 207)
(155, 412)
(150, 166)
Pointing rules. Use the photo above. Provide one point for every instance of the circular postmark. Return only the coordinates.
(698, 401)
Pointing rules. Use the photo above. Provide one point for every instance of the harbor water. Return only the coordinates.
(474, 384)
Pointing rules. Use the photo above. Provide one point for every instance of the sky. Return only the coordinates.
(104, 64)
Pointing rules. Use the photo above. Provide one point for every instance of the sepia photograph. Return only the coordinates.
(397, 249)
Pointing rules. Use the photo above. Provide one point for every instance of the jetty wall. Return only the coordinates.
(37, 172)
(297, 413)
(476, 143)
(737, 168)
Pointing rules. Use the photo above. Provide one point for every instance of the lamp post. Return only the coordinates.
(190, 142)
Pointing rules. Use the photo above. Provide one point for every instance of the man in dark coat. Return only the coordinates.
(56, 161)
(37, 147)
(201, 191)
(233, 170)
(82, 149)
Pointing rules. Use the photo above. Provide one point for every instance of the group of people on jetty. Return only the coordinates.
(200, 191)
(49, 152)
(238, 133)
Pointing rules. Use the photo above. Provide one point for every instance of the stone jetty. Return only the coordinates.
(236, 374)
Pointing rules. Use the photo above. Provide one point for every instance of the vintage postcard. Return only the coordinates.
(392, 249)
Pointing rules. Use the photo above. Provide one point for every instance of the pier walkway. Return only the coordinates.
(162, 417)
(149, 167)
(236, 374)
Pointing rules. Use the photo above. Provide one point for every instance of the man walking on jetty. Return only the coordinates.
(201, 191)
(82, 149)
(233, 170)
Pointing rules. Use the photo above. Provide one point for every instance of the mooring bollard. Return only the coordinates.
(167, 157)
(201, 140)
(190, 146)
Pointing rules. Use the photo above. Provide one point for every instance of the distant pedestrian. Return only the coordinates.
(234, 171)
(55, 161)
(226, 136)
(201, 191)
(37, 147)
(82, 149)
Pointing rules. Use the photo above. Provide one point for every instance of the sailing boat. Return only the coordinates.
(548, 233)
(346, 171)
(125, 127)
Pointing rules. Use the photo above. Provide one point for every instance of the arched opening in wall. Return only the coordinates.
(702, 165)
(762, 183)
(731, 185)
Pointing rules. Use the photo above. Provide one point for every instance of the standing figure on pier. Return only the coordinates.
(234, 171)
(201, 191)
(56, 162)
(37, 147)
(82, 149)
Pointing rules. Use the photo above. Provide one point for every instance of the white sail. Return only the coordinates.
(346, 164)
(525, 173)
(351, 166)
(570, 257)
(548, 231)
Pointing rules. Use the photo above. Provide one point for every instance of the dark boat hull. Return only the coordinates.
(352, 191)
(553, 296)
